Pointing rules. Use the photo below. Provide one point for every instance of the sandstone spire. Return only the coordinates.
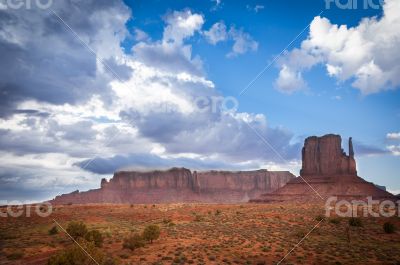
(324, 156)
(326, 171)
(351, 151)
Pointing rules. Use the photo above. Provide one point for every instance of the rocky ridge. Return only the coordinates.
(180, 185)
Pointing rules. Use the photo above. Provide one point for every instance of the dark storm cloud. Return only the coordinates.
(148, 161)
(120, 71)
(216, 133)
(20, 184)
(48, 137)
(32, 112)
(364, 149)
(42, 60)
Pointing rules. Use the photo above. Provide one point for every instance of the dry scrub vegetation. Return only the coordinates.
(199, 234)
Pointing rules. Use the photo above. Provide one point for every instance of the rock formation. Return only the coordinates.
(327, 171)
(324, 156)
(181, 185)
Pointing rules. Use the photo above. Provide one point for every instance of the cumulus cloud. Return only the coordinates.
(109, 165)
(362, 149)
(290, 81)
(40, 177)
(366, 54)
(216, 33)
(171, 53)
(67, 72)
(140, 35)
(393, 136)
(242, 41)
(67, 108)
(395, 149)
(181, 25)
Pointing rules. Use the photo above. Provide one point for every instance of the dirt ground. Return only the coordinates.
(208, 234)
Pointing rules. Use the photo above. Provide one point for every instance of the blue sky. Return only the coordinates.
(318, 111)
(89, 91)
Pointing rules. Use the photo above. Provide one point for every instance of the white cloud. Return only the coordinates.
(242, 41)
(366, 53)
(171, 53)
(255, 8)
(395, 192)
(140, 35)
(289, 81)
(181, 25)
(216, 33)
(217, 5)
(395, 149)
(333, 70)
(393, 136)
(258, 8)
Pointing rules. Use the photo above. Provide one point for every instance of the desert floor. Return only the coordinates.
(208, 234)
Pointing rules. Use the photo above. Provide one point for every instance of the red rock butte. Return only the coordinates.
(180, 185)
(326, 171)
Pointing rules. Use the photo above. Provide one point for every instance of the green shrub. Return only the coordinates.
(334, 221)
(133, 242)
(355, 221)
(389, 228)
(96, 237)
(151, 232)
(53, 230)
(319, 218)
(77, 229)
(15, 255)
(198, 218)
(74, 255)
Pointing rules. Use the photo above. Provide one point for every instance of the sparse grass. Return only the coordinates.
(355, 221)
(259, 233)
(389, 228)
(335, 220)
(15, 255)
(53, 231)
(319, 218)
(76, 229)
(133, 242)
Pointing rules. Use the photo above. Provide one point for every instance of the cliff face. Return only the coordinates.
(181, 185)
(325, 156)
